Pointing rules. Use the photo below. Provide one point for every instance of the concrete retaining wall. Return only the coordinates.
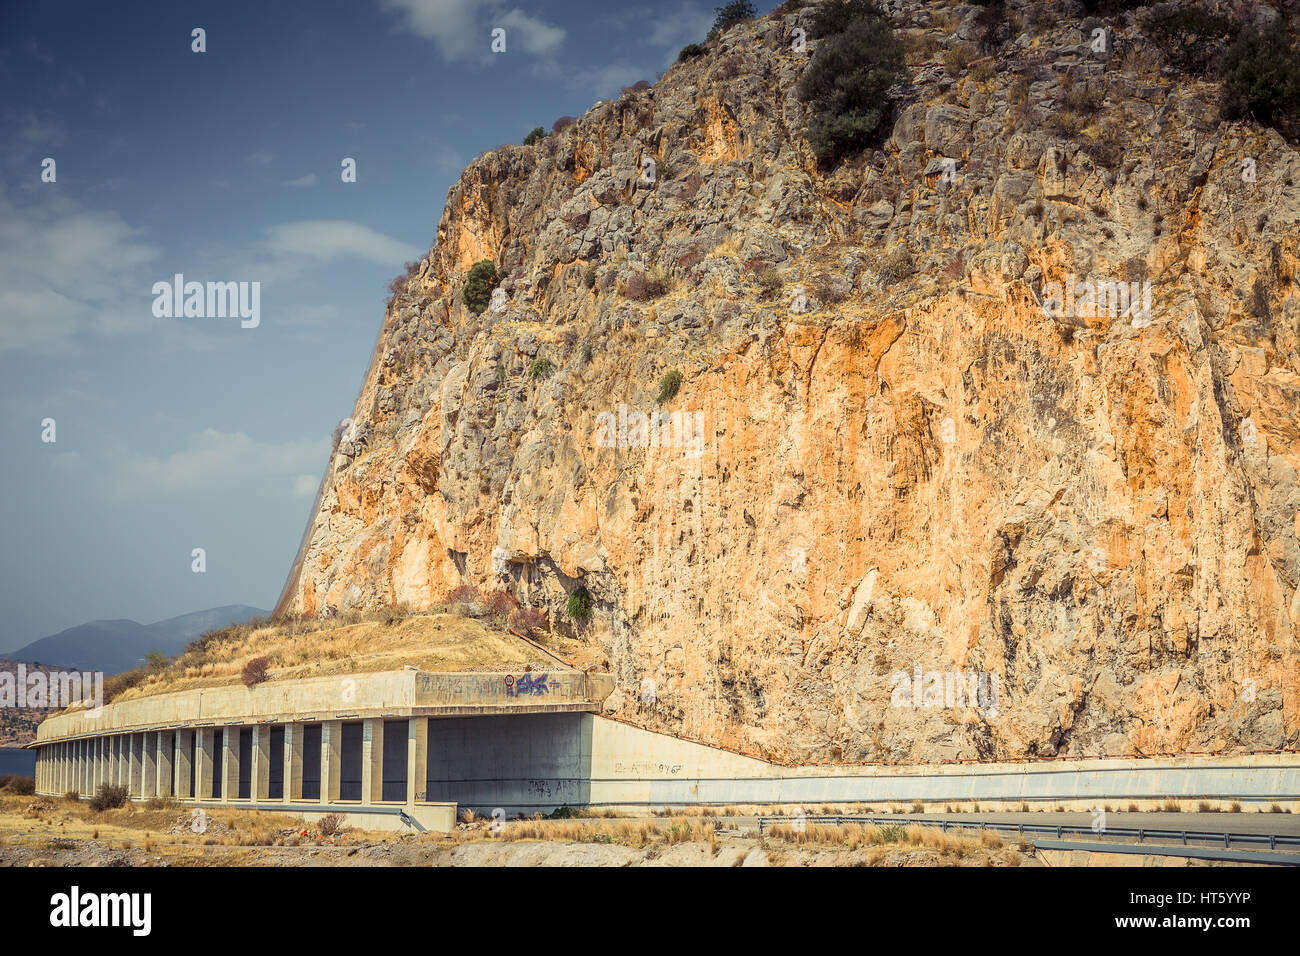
(538, 763)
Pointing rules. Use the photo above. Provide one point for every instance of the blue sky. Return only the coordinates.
(173, 433)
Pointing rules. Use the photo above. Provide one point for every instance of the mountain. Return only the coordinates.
(829, 445)
(113, 646)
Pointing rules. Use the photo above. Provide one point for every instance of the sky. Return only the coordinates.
(173, 433)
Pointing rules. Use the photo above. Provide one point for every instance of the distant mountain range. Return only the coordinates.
(114, 646)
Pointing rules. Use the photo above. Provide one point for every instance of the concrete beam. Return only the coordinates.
(136, 742)
(181, 765)
(331, 760)
(417, 759)
(149, 774)
(230, 764)
(293, 734)
(165, 753)
(204, 756)
(372, 761)
(259, 781)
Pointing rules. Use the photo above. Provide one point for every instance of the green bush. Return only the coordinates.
(689, 51)
(838, 15)
(535, 136)
(480, 282)
(109, 797)
(847, 82)
(541, 368)
(1261, 79)
(669, 385)
(579, 605)
(738, 11)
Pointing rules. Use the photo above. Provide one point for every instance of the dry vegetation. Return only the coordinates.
(389, 639)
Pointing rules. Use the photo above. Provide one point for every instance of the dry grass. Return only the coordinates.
(436, 641)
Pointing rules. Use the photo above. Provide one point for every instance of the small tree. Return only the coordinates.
(847, 82)
(254, 671)
(155, 661)
(535, 136)
(541, 368)
(726, 17)
(1261, 78)
(482, 279)
(690, 51)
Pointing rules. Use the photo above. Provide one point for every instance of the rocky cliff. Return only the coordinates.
(906, 445)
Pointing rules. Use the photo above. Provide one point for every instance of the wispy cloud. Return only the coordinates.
(318, 241)
(213, 458)
(461, 29)
(308, 180)
(67, 270)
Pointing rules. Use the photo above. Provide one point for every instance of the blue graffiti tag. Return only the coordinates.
(527, 685)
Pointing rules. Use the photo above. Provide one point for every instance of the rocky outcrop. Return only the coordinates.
(904, 445)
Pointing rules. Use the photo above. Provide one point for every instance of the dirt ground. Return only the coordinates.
(43, 831)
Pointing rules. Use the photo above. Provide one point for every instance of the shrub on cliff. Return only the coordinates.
(690, 51)
(726, 17)
(579, 605)
(536, 135)
(480, 282)
(1191, 38)
(669, 385)
(1261, 79)
(254, 671)
(541, 368)
(847, 82)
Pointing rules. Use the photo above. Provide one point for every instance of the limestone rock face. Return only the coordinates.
(905, 462)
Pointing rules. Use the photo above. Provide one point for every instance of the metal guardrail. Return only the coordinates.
(1116, 834)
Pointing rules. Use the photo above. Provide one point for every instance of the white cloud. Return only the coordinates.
(304, 486)
(323, 240)
(690, 23)
(214, 458)
(261, 158)
(67, 270)
(535, 36)
(461, 29)
(308, 180)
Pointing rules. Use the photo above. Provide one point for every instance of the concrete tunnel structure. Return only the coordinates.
(407, 749)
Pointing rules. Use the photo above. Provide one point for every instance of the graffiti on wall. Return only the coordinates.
(530, 685)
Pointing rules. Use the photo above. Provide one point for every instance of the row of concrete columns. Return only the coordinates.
(158, 763)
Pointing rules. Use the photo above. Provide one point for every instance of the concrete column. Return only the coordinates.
(331, 760)
(163, 786)
(135, 764)
(293, 762)
(121, 763)
(417, 759)
(83, 766)
(230, 766)
(204, 755)
(149, 763)
(372, 760)
(259, 779)
(100, 763)
(181, 765)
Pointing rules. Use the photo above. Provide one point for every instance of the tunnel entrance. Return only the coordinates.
(311, 762)
(275, 786)
(350, 761)
(395, 735)
(245, 788)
